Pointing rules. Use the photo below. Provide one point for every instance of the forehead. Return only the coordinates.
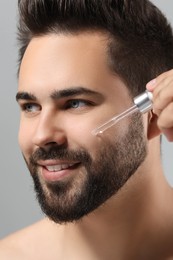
(58, 61)
(55, 55)
(85, 43)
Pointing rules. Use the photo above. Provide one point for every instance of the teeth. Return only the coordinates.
(56, 168)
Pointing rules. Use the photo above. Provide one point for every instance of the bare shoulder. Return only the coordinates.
(27, 243)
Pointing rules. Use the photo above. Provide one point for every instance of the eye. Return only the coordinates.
(30, 107)
(77, 103)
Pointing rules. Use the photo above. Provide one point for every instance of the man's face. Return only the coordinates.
(66, 89)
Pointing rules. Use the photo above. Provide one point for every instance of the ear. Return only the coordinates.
(153, 129)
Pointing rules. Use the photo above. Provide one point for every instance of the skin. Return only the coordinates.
(163, 102)
(134, 224)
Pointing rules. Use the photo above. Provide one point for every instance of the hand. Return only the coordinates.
(162, 89)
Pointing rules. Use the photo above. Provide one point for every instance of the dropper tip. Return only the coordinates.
(96, 132)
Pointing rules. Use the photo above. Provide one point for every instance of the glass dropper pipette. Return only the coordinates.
(142, 103)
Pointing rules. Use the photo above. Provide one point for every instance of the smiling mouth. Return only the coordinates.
(61, 167)
(58, 172)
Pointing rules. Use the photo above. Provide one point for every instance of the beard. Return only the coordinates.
(96, 179)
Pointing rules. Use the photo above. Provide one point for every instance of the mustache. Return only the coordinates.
(57, 153)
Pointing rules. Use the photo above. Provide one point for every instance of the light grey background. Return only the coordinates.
(18, 206)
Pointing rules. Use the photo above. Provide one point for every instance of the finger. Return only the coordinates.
(163, 98)
(165, 122)
(165, 119)
(156, 85)
(162, 88)
(164, 78)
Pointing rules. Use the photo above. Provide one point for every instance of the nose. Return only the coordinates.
(48, 131)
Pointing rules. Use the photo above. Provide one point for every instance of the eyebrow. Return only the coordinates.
(25, 96)
(59, 94)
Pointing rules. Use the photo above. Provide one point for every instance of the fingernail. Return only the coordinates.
(151, 84)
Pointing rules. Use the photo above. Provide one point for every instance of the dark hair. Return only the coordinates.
(141, 40)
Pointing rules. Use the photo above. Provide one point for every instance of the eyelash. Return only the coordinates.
(28, 107)
(87, 103)
(24, 107)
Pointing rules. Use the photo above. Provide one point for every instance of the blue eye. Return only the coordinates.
(76, 103)
(30, 107)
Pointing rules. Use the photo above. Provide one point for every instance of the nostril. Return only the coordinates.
(51, 144)
(46, 136)
(55, 144)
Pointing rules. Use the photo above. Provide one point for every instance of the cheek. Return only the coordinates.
(24, 139)
(80, 135)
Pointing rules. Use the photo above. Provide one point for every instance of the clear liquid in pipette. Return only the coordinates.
(142, 103)
(114, 120)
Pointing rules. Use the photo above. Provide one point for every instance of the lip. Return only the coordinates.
(57, 175)
(55, 162)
